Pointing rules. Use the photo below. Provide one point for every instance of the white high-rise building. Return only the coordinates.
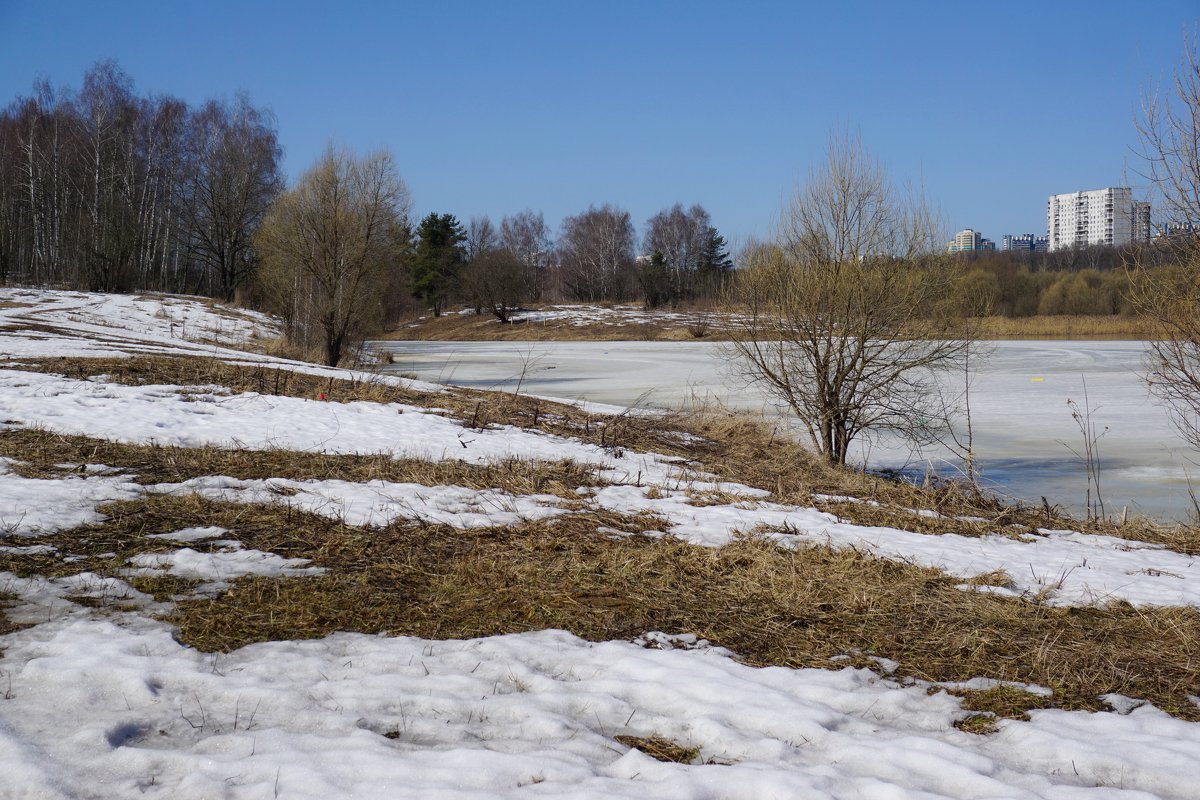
(1100, 217)
(969, 241)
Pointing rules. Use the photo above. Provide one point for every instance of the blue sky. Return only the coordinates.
(492, 107)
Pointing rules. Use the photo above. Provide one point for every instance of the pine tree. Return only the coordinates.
(439, 259)
(715, 257)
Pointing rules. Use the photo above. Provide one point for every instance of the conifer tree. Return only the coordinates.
(439, 259)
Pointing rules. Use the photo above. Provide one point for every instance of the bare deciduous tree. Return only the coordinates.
(526, 236)
(596, 251)
(232, 175)
(332, 245)
(1169, 297)
(481, 237)
(844, 317)
(496, 280)
(677, 241)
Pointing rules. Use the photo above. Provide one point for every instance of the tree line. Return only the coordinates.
(106, 190)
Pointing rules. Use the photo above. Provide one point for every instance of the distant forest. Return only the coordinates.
(104, 189)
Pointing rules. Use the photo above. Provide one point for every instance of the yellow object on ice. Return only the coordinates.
(1037, 379)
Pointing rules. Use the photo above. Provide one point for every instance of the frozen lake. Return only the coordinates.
(1023, 426)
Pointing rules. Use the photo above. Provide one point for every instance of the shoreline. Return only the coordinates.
(566, 323)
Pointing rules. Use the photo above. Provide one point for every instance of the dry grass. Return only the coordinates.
(471, 328)
(1064, 327)
(1003, 701)
(6, 625)
(44, 454)
(475, 409)
(772, 606)
(468, 327)
(756, 451)
(661, 749)
(978, 724)
(203, 371)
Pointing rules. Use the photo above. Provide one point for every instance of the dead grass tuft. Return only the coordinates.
(163, 587)
(1002, 701)
(978, 724)
(661, 749)
(6, 624)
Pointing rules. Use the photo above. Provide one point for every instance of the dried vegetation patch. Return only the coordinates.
(661, 749)
(6, 624)
(1003, 701)
(44, 454)
(736, 447)
(472, 328)
(772, 606)
(473, 408)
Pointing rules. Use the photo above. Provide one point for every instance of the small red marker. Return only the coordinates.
(321, 396)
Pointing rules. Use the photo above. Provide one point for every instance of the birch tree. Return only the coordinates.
(596, 253)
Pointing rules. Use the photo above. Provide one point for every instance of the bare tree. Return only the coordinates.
(844, 312)
(232, 177)
(496, 280)
(526, 236)
(677, 242)
(1169, 131)
(596, 251)
(1169, 297)
(331, 246)
(481, 237)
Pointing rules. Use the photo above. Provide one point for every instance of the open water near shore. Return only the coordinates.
(1024, 431)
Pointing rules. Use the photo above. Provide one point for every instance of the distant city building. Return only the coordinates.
(1169, 230)
(1100, 217)
(1026, 242)
(1141, 221)
(969, 241)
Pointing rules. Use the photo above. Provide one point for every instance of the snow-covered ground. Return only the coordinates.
(117, 708)
(107, 704)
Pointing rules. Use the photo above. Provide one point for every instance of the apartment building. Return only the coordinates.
(1099, 217)
(1025, 242)
(969, 241)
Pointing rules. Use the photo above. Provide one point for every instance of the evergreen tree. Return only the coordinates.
(438, 260)
(715, 256)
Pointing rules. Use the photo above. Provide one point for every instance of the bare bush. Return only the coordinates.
(845, 314)
(1169, 298)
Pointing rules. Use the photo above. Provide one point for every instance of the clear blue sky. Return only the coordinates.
(492, 107)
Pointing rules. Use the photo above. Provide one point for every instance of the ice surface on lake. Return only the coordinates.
(1023, 426)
